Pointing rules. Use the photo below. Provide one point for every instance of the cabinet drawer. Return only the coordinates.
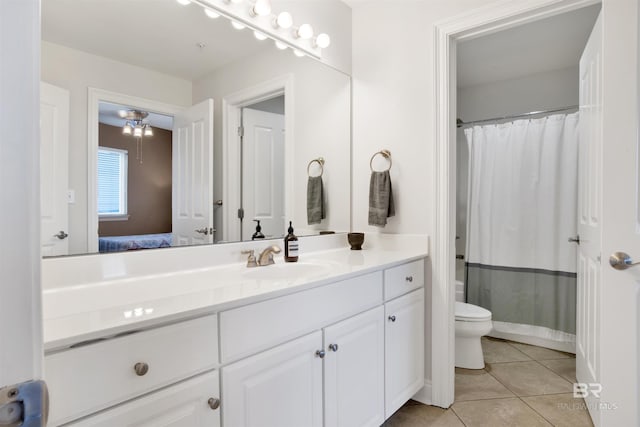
(183, 404)
(247, 330)
(403, 278)
(86, 379)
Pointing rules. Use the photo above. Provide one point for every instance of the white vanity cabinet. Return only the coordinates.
(281, 387)
(346, 353)
(354, 371)
(192, 403)
(85, 379)
(404, 349)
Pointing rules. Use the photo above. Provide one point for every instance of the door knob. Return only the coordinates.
(204, 230)
(574, 239)
(61, 235)
(621, 261)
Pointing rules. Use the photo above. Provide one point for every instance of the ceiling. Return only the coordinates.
(161, 35)
(550, 44)
(109, 115)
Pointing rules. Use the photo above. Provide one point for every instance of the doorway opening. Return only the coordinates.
(450, 35)
(262, 169)
(188, 147)
(134, 178)
(257, 151)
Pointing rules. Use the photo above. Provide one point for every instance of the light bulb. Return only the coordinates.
(323, 41)
(211, 14)
(284, 20)
(137, 131)
(281, 45)
(127, 129)
(305, 31)
(262, 8)
(148, 131)
(298, 53)
(259, 35)
(237, 25)
(184, 2)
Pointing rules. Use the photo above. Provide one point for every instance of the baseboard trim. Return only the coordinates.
(424, 394)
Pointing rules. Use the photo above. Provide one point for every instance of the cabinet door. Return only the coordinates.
(354, 371)
(281, 387)
(183, 404)
(404, 349)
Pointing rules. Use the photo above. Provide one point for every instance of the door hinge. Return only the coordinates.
(241, 131)
(241, 213)
(24, 405)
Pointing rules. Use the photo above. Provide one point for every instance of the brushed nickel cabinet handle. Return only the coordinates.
(320, 354)
(141, 368)
(409, 279)
(214, 403)
(392, 318)
(333, 347)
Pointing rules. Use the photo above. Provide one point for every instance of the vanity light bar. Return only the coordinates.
(278, 27)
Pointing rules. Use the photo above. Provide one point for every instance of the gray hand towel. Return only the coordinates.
(381, 204)
(315, 200)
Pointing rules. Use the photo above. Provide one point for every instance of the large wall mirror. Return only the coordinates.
(162, 126)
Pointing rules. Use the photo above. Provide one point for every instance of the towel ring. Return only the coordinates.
(319, 161)
(384, 153)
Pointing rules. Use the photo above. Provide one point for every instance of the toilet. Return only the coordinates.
(472, 322)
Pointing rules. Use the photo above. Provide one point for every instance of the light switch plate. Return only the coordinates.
(71, 196)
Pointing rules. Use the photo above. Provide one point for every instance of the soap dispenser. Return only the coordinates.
(291, 246)
(258, 234)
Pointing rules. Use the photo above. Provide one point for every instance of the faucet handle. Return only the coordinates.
(251, 259)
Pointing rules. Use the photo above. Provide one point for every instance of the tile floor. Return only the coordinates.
(521, 386)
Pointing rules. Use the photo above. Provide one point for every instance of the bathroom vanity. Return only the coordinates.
(336, 339)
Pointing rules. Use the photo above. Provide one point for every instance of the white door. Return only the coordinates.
(404, 349)
(263, 173)
(192, 183)
(181, 405)
(590, 218)
(281, 387)
(354, 371)
(620, 292)
(20, 290)
(54, 169)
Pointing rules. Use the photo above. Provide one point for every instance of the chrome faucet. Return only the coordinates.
(266, 256)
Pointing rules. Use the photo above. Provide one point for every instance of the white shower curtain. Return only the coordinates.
(522, 208)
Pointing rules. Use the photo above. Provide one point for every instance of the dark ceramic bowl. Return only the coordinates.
(356, 240)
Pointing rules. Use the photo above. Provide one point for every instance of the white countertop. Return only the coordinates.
(74, 314)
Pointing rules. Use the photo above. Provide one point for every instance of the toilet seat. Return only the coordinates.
(471, 313)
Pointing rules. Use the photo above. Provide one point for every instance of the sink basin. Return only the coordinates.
(292, 271)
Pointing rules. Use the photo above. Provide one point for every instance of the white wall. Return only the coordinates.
(537, 92)
(393, 100)
(322, 110)
(76, 71)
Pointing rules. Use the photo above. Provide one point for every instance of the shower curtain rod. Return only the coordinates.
(460, 123)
